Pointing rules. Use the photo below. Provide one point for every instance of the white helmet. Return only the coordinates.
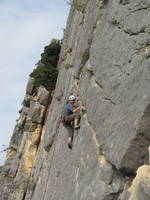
(71, 98)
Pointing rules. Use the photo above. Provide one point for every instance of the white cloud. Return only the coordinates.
(25, 29)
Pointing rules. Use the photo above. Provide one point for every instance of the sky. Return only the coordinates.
(26, 26)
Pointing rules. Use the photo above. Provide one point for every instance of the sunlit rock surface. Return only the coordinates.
(105, 60)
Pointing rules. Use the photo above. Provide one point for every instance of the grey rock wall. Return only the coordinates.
(105, 62)
(25, 141)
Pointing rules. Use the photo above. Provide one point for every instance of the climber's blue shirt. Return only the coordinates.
(69, 109)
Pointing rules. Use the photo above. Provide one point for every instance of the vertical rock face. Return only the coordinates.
(26, 139)
(104, 60)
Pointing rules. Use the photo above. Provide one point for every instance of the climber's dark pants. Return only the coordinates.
(69, 130)
(72, 117)
(68, 120)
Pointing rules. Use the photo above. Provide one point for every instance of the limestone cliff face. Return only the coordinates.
(105, 60)
(16, 174)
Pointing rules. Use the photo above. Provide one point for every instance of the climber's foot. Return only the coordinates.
(70, 142)
(70, 145)
(77, 127)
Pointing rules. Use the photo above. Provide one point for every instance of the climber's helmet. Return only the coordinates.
(72, 98)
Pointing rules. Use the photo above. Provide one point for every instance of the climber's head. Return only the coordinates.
(71, 99)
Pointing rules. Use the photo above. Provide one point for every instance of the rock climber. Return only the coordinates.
(72, 117)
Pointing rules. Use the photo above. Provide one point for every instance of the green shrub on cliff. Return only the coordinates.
(50, 55)
(46, 72)
(45, 76)
(76, 5)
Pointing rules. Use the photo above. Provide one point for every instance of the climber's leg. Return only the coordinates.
(76, 123)
(75, 118)
(70, 136)
(70, 142)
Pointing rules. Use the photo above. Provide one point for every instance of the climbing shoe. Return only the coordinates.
(77, 127)
(70, 145)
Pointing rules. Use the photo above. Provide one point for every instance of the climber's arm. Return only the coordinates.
(77, 109)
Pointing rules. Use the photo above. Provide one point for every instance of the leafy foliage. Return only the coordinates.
(76, 5)
(45, 76)
(50, 55)
(46, 72)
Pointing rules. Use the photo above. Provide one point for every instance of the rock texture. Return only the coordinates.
(24, 144)
(105, 60)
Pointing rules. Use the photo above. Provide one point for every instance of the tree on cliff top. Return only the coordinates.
(46, 72)
(50, 55)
